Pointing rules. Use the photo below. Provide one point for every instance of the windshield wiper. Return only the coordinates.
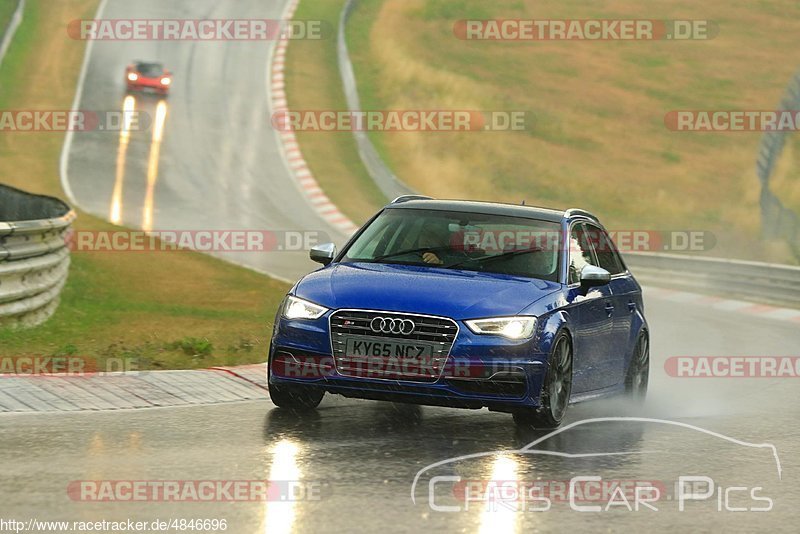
(405, 252)
(492, 258)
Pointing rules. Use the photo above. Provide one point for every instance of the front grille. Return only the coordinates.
(438, 332)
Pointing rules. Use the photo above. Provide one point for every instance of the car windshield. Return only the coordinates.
(150, 70)
(460, 240)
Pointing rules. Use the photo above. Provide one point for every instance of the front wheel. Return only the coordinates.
(556, 389)
(297, 398)
(293, 397)
(638, 374)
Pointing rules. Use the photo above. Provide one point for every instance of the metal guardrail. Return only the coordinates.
(389, 184)
(8, 33)
(748, 280)
(34, 258)
(778, 221)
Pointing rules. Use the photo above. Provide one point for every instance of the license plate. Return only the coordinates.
(387, 349)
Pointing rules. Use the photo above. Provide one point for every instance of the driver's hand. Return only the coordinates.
(430, 257)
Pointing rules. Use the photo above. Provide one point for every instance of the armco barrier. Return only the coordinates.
(389, 184)
(749, 280)
(778, 221)
(34, 258)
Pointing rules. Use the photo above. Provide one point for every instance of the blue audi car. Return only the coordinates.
(465, 304)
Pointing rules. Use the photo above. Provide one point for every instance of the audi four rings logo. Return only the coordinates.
(389, 325)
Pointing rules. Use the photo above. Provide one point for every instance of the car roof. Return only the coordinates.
(143, 64)
(488, 208)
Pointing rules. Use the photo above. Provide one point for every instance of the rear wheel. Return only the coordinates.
(638, 375)
(555, 391)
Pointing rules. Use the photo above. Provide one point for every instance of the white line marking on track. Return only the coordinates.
(291, 149)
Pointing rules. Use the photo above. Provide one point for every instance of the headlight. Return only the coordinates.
(510, 327)
(165, 81)
(296, 308)
(132, 76)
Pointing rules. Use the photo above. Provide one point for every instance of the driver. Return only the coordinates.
(435, 237)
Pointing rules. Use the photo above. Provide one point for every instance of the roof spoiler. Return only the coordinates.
(577, 211)
(406, 198)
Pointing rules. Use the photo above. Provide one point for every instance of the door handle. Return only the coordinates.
(609, 308)
(632, 306)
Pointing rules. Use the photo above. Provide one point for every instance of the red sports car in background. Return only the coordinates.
(148, 77)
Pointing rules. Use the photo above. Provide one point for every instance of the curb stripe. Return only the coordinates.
(298, 167)
(730, 305)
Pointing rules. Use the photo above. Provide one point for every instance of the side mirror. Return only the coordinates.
(592, 276)
(323, 253)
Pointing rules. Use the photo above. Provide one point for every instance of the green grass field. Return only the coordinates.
(7, 8)
(598, 140)
(163, 310)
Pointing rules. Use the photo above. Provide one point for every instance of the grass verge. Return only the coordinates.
(7, 8)
(313, 83)
(598, 140)
(163, 309)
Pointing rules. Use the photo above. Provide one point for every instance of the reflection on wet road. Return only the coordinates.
(152, 165)
(129, 114)
(128, 110)
(280, 516)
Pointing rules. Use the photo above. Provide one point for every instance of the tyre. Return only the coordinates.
(293, 397)
(638, 375)
(297, 398)
(556, 389)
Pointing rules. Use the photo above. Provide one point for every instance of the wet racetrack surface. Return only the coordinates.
(356, 460)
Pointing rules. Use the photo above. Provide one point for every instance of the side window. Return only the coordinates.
(580, 253)
(607, 255)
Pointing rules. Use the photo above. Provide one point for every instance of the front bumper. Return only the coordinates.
(148, 86)
(480, 371)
